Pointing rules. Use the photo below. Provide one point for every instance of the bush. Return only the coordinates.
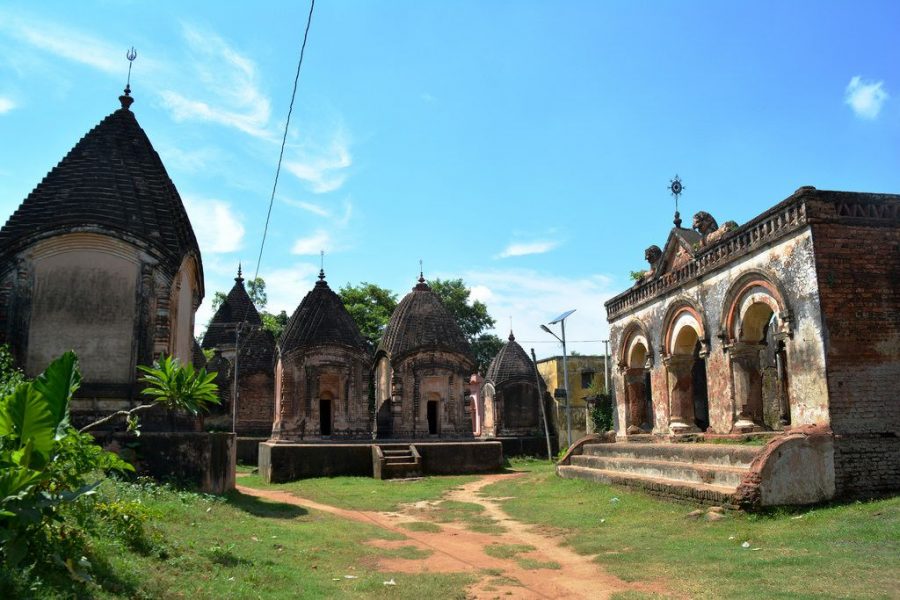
(601, 412)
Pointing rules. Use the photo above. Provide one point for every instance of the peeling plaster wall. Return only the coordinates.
(789, 262)
(83, 298)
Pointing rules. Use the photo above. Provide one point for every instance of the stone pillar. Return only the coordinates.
(747, 386)
(477, 403)
(635, 395)
(396, 403)
(681, 392)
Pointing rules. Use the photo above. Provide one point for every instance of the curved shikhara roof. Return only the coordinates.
(422, 323)
(321, 319)
(236, 308)
(511, 363)
(114, 180)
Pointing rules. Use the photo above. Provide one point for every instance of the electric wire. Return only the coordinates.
(287, 124)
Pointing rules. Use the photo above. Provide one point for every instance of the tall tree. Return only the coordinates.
(473, 318)
(371, 307)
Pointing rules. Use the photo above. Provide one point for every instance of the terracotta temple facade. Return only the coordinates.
(511, 395)
(421, 372)
(245, 352)
(322, 373)
(101, 258)
(787, 322)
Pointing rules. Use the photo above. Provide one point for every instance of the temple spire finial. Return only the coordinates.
(321, 265)
(675, 188)
(512, 338)
(239, 278)
(421, 272)
(126, 98)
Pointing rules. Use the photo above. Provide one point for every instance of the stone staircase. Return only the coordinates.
(396, 461)
(705, 473)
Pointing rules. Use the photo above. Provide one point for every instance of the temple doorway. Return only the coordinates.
(432, 415)
(325, 416)
(701, 399)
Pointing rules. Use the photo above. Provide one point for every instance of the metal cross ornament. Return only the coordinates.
(676, 187)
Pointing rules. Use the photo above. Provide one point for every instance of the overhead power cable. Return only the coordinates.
(287, 124)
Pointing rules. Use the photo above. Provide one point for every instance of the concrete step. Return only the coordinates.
(732, 455)
(703, 493)
(401, 470)
(715, 474)
(392, 460)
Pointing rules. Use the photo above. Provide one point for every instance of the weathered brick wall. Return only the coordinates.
(307, 376)
(255, 407)
(859, 286)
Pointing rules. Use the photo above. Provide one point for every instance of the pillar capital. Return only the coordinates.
(679, 365)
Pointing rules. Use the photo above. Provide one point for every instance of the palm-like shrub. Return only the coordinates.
(178, 387)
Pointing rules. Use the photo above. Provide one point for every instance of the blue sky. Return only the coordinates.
(523, 146)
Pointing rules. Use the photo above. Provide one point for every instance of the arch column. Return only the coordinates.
(681, 392)
(747, 385)
(635, 394)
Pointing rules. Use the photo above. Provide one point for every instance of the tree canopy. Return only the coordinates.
(472, 318)
(371, 307)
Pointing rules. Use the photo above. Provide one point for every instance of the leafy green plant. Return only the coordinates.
(601, 413)
(10, 375)
(44, 463)
(170, 385)
(178, 387)
(637, 275)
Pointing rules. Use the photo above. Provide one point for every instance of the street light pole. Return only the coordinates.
(562, 320)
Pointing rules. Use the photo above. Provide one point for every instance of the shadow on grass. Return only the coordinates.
(264, 508)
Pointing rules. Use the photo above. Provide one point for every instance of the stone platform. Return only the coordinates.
(795, 468)
(282, 462)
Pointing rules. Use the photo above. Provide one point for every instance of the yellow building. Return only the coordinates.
(587, 376)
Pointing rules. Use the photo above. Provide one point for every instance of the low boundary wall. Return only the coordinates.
(279, 462)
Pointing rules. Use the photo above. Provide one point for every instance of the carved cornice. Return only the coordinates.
(778, 222)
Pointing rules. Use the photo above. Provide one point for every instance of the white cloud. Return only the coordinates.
(230, 84)
(286, 287)
(190, 161)
(533, 297)
(315, 209)
(6, 105)
(313, 244)
(865, 97)
(322, 166)
(217, 227)
(525, 248)
(67, 43)
(426, 97)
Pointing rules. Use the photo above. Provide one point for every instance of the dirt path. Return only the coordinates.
(456, 549)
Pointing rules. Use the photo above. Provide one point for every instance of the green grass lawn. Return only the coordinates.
(839, 551)
(242, 547)
(364, 493)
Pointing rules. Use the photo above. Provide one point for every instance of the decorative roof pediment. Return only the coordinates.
(680, 248)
